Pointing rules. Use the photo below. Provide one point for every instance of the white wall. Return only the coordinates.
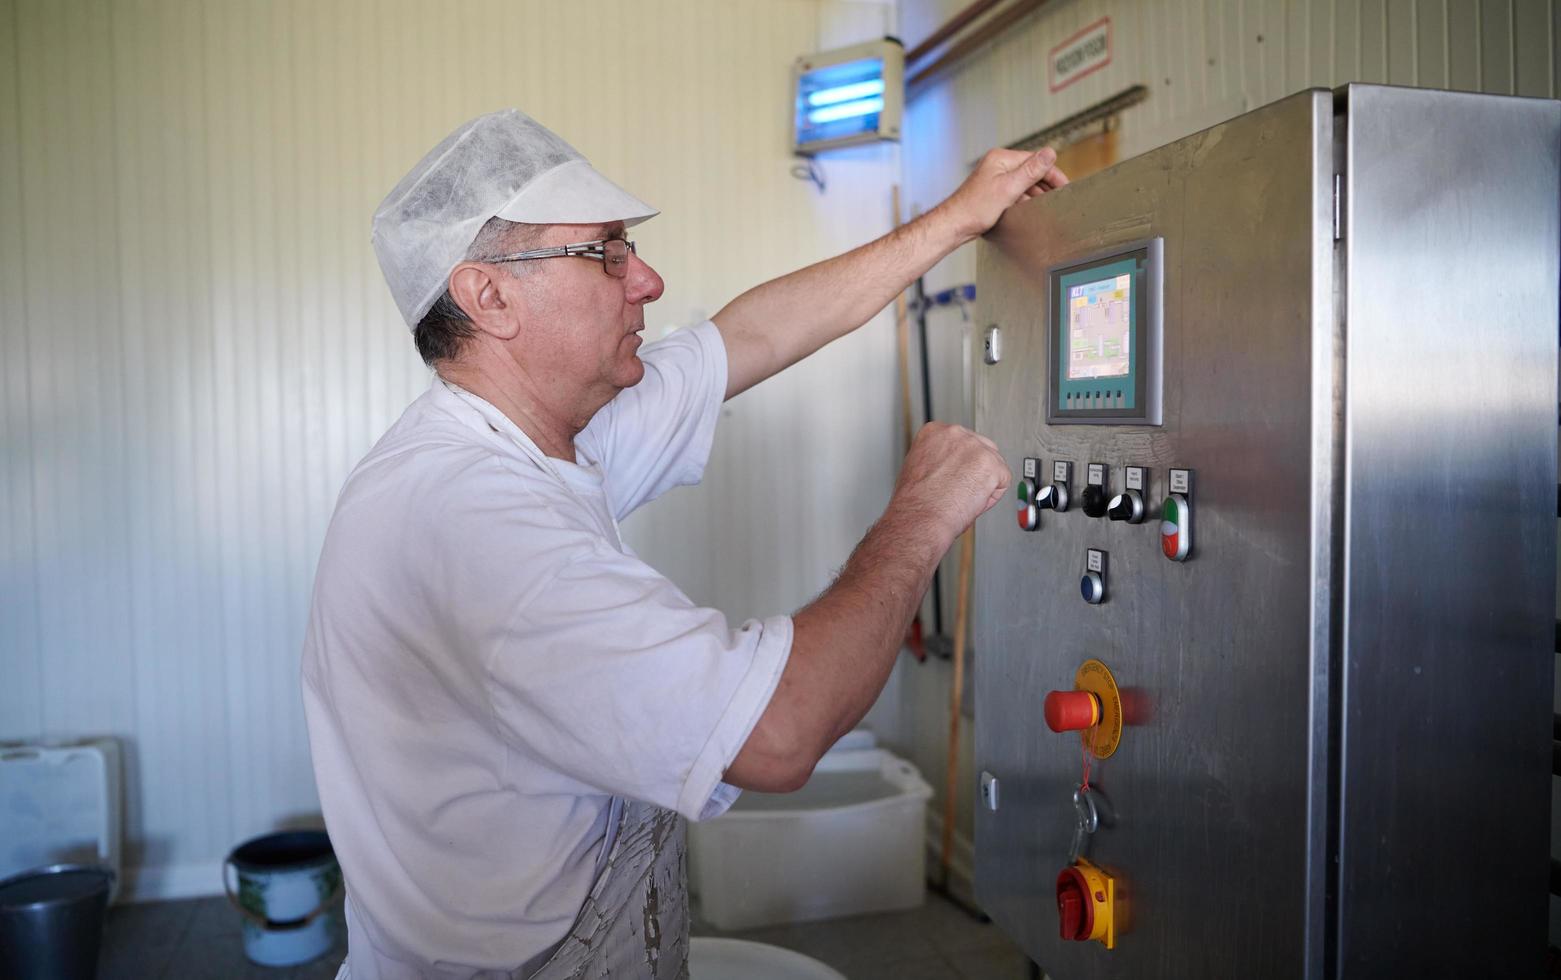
(1207, 60)
(197, 345)
(1204, 61)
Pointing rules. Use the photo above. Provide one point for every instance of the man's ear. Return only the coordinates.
(475, 289)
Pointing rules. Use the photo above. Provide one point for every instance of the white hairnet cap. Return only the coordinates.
(505, 165)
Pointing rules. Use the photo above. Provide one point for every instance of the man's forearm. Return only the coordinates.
(843, 646)
(774, 325)
(852, 633)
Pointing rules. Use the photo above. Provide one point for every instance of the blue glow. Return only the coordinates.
(839, 102)
(845, 110)
(846, 93)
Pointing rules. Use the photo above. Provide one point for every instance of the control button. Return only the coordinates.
(1094, 498)
(1176, 517)
(1053, 496)
(1086, 904)
(1093, 588)
(1029, 516)
(1094, 501)
(1126, 506)
(1093, 585)
(1072, 711)
(1176, 528)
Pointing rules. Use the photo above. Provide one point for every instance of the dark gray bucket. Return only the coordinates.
(51, 922)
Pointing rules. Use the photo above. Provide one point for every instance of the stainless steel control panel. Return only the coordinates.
(1240, 675)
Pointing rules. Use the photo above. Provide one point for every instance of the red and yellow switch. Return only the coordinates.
(1087, 904)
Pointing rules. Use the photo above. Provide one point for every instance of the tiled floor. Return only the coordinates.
(201, 938)
(938, 941)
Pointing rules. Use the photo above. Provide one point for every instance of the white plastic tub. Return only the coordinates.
(851, 841)
(739, 959)
(60, 804)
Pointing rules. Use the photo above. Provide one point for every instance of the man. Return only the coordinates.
(510, 714)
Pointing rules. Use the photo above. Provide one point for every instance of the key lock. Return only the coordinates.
(1086, 893)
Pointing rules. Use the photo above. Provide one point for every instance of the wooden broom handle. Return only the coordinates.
(967, 551)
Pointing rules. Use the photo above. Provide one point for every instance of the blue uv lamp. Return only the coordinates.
(847, 96)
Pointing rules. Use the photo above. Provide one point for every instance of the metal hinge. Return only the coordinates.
(1338, 223)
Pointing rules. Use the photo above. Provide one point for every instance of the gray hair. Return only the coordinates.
(443, 330)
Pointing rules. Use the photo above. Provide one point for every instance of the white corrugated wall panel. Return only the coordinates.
(198, 345)
(19, 626)
(1205, 59)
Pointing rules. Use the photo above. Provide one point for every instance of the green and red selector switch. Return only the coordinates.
(1029, 514)
(1176, 517)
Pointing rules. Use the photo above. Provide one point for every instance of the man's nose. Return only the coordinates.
(643, 285)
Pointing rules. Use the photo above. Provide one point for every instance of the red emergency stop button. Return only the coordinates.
(1075, 911)
(1072, 711)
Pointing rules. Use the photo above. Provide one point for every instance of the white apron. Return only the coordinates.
(635, 922)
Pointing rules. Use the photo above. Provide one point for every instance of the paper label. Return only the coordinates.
(1085, 52)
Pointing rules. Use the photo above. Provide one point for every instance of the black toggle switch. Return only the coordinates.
(1126, 506)
(1093, 500)
(1053, 496)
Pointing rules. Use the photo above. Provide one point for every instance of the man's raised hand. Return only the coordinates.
(1001, 179)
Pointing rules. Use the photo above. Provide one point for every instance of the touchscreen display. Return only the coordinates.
(1100, 327)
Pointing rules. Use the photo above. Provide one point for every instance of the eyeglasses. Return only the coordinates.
(613, 252)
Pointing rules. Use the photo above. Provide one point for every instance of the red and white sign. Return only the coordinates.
(1084, 53)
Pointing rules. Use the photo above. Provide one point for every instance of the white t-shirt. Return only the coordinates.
(489, 670)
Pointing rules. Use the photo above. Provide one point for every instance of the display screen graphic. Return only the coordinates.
(1100, 328)
(1103, 334)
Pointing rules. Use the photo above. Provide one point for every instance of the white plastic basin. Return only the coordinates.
(850, 842)
(739, 959)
